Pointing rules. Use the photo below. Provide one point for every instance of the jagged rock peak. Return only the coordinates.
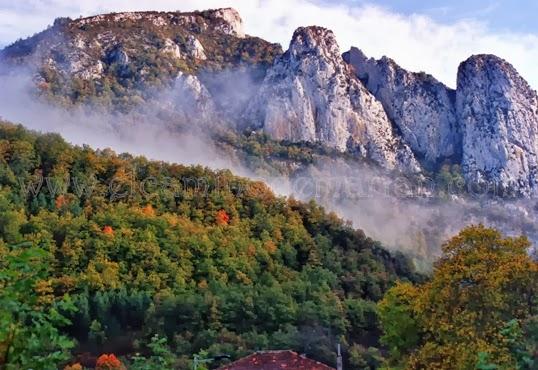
(232, 17)
(493, 66)
(310, 94)
(421, 107)
(499, 114)
(314, 40)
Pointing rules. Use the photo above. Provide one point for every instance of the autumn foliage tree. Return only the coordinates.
(222, 217)
(482, 282)
(108, 230)
(61, 201)
(148, 210)
(75, 366)
(108, 362)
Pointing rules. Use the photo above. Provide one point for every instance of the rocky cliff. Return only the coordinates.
(420, 106)
(373, 110)
(124, 57)
(489, 124)
(498, 112)
(310, 94)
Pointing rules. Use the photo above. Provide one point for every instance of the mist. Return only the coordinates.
(387, 206)
(99, 130)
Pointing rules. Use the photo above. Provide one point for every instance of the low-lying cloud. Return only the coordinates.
(386, 207)
(136, 133)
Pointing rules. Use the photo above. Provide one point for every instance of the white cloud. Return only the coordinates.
(415, 41)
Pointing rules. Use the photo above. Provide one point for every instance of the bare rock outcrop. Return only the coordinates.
(421, 107)
(498, 112)
(310, 94)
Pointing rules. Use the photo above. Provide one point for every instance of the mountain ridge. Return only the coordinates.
(311, 93)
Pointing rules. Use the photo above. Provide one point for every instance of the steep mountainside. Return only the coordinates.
(120, 56)
(200, 70)
(209, 261)
(420, 106)
(499, 114)
(310, 94)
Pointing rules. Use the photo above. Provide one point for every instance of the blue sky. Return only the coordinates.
(501, 15)
(432, 36)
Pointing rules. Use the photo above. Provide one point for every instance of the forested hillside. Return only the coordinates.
(106, 253)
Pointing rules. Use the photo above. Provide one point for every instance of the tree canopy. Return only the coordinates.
(482, 297)
(208, 262)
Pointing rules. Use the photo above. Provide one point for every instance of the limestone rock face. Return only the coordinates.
(421, 107)
(78, 62)
(192, 101)
(310, 94)
(498, 111)
(195, 48)
(171, 48)
(233, 24)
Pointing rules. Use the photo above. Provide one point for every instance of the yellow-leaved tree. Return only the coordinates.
(482, 282)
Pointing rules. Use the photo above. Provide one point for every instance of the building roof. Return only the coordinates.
(276, 360)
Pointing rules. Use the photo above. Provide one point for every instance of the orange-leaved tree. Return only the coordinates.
(222, 217)
(108, 230)
(75, 366)
(109, 362)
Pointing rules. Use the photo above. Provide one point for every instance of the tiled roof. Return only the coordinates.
(276, 360)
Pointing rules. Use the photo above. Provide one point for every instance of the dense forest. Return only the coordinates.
(107, 254)
(110, 261)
